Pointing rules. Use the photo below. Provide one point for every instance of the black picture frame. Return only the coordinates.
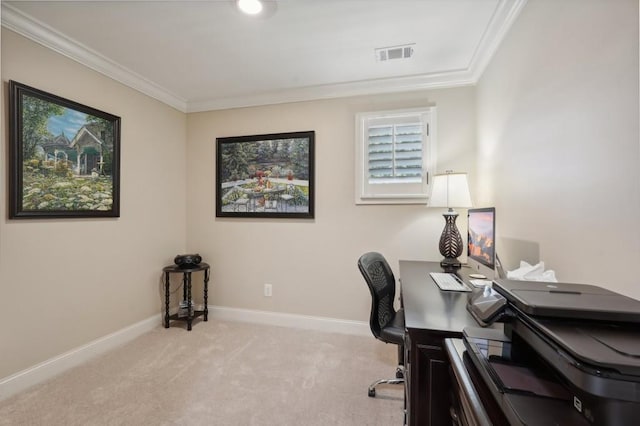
(266, 176)
(64, 157)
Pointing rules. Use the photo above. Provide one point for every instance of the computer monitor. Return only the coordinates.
(481, 237)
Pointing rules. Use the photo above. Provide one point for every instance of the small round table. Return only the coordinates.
(186, 293)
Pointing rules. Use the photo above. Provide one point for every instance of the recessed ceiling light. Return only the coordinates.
(250, 7)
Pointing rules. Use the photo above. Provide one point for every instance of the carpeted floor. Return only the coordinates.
(221, 373)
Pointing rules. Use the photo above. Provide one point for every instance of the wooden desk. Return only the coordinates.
(431, 316)
(472, 402)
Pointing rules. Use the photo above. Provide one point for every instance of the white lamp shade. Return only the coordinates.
(450, 190)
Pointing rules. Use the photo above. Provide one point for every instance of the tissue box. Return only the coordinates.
(528, 272)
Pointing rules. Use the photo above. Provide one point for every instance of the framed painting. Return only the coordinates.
(265, 175)
(64, 157)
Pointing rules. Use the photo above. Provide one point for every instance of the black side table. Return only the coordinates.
(186, 293)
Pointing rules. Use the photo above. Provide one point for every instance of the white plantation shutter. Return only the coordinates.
(394, 156)
(395, 153)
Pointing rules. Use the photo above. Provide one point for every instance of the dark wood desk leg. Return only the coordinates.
(206, 285)
(189, 316)
(166, 299)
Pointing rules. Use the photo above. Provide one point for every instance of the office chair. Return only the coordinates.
(386, 323)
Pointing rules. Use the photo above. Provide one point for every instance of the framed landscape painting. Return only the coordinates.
(265, 175)
(64, 157)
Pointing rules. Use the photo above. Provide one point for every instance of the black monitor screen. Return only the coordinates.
(481, 236)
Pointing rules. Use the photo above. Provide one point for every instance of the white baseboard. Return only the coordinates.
(52, 367)
(306, 322)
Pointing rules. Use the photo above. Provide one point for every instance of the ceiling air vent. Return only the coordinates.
(394, 52)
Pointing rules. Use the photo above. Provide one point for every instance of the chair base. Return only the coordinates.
(372, 388)
(397, 381)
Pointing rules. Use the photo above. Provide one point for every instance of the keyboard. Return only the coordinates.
(448, 282)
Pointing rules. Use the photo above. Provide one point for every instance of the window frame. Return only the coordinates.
(394, 193)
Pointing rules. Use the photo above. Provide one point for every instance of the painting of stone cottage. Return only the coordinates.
(266, 175)
(65, 157)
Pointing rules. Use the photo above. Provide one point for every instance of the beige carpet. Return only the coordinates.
(221, 373)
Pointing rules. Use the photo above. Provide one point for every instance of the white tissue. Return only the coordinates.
(528, 272)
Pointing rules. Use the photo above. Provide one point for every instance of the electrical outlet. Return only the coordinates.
(267, 290)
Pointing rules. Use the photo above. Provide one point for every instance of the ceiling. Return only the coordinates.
(206, 55)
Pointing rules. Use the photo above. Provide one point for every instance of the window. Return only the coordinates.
(395, 151)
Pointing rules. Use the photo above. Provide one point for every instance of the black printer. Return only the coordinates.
(569, 353)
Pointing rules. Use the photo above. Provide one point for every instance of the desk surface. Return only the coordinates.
(431, 316)
(428, 308)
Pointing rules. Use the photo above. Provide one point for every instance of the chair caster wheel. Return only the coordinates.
(372, 393)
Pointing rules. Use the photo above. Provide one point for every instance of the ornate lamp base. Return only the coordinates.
(450, 242)
(450, 264)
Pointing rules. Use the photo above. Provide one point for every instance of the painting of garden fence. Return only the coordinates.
(266, 175)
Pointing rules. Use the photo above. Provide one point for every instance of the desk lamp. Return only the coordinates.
(450, 190)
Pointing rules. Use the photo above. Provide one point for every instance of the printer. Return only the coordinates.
(569, 354)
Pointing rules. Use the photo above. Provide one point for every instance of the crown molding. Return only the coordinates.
(503, 18)
(505, 14)
(37, 31)
(452, 78)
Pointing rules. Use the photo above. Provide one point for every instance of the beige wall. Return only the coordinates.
(312, 263)
(66, 282)
(558, 138)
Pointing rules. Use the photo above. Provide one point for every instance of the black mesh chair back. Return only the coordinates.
(382, 285)
(386, 323)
